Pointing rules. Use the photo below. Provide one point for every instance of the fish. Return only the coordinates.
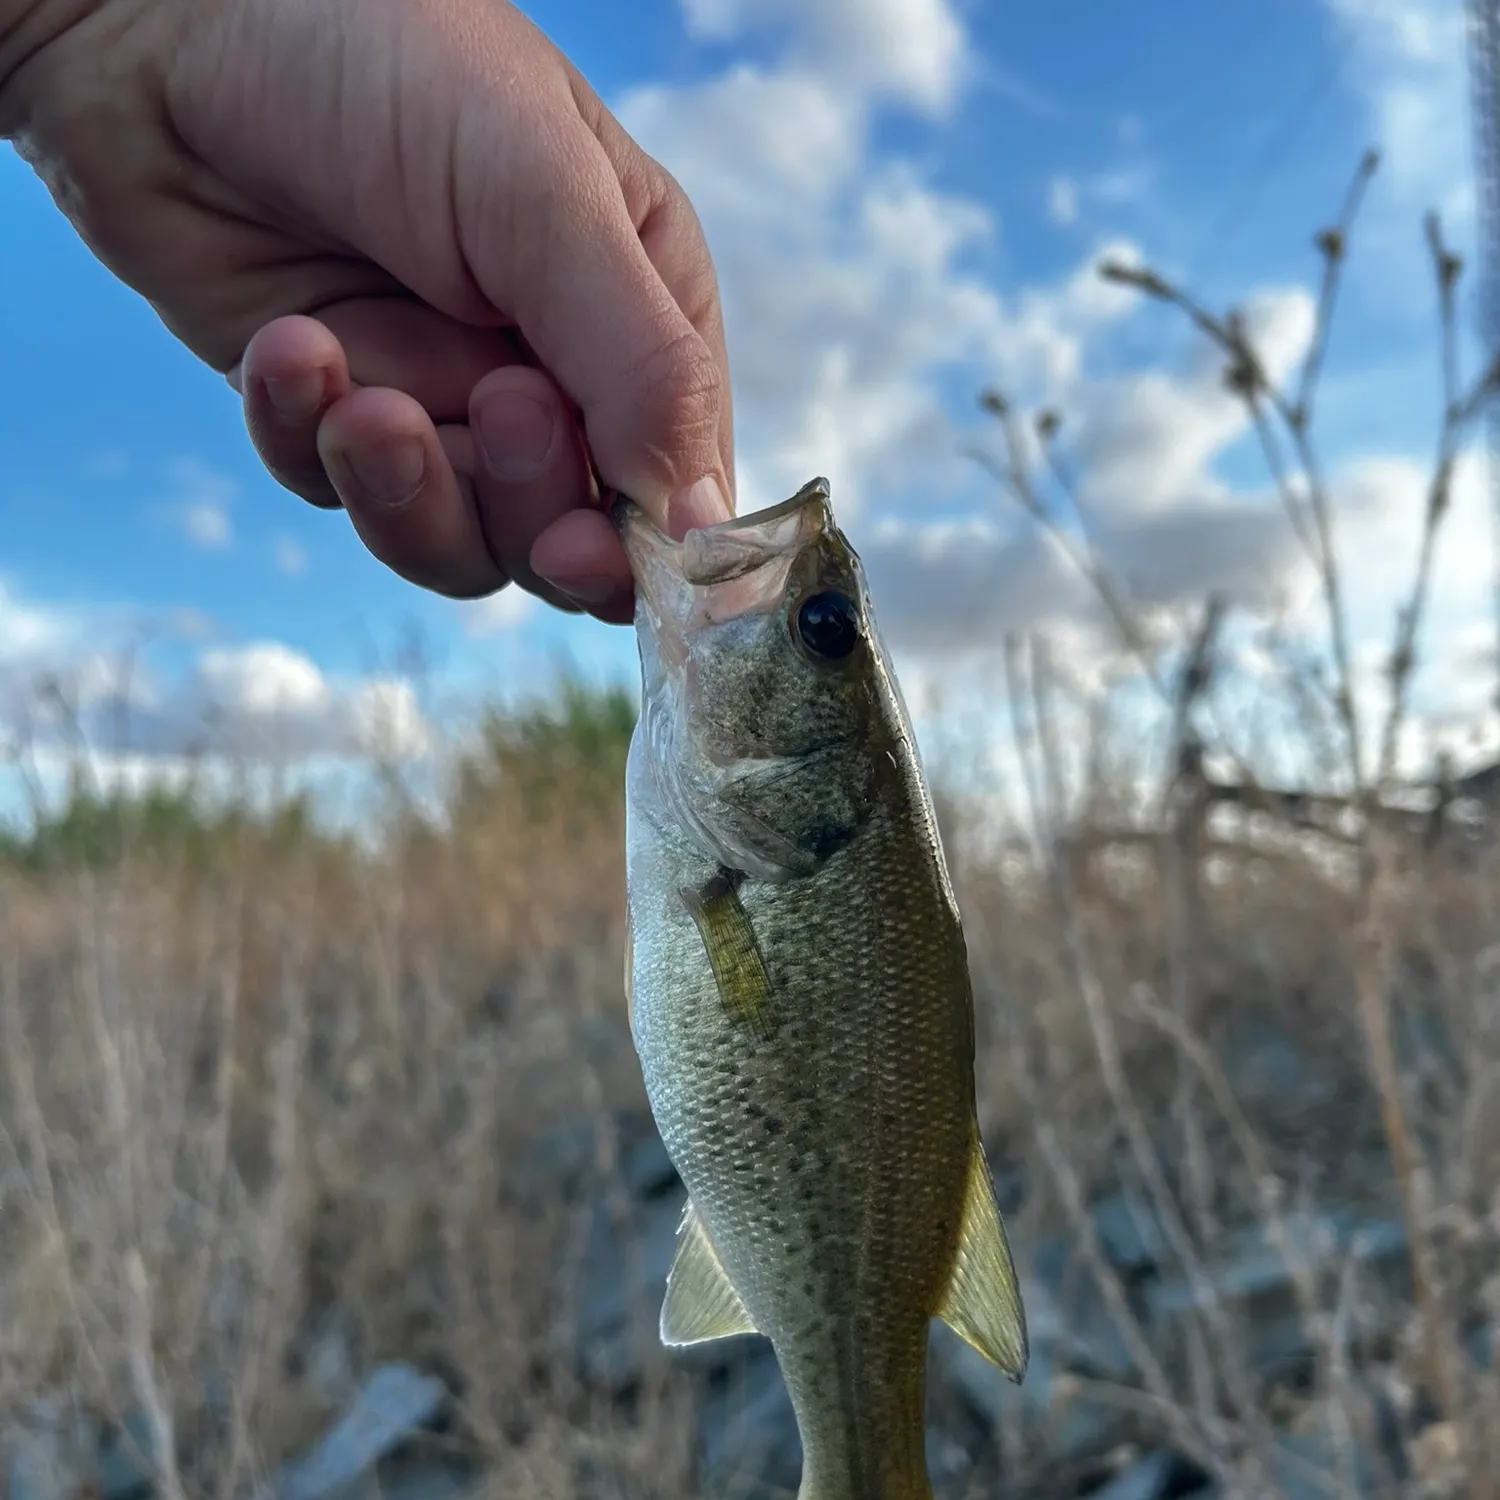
(799, 991)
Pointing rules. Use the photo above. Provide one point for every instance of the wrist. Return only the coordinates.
(27, 29)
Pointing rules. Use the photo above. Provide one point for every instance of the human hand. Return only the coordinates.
(437, 269)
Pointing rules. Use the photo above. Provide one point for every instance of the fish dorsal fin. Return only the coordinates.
(701, 1302)
(729, 940)
(983, 1301)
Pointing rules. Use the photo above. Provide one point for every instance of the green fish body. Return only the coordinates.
(799, 992)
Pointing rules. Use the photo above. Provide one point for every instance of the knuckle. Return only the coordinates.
(681, 393)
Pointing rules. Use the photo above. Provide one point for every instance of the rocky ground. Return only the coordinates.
(325, 1171)
(1082, 1424)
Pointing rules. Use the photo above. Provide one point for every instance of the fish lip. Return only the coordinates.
(677, 581)
(702, 558)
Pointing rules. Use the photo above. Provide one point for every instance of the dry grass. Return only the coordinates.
(254, 1080)
(275, 1080)
(265, 1082)
(1110, 1027)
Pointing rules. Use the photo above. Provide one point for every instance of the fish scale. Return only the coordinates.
(799, 990)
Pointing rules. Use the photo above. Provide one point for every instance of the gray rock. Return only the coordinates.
(645, 1168)
(1423, 1039)
(328, 1357)
(1066, 1310)
(1081, 1425)
(747, 1432)
(1131, 1233)
(559, 1162)
(1253, 1282)
(1481, 1345)
(1264, 1064)
(395, 1403)
(1147, 1479)
(1306, 1466)
(621, 1282)
(984, 1389)
(427, 1477)
(127, 1460)
(949, 1463)
(1075, 1423)
(51, 1454)
(1070, 1330)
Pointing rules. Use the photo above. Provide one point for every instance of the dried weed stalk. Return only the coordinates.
(1282, 419)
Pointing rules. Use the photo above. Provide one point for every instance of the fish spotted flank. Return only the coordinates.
(799, 991)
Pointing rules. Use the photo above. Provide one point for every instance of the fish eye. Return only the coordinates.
(828, 625)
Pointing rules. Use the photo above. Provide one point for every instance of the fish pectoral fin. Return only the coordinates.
(701, 1302)
(729, 940)
(983, 1301)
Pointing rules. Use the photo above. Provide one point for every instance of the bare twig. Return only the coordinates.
(1332, 244)
(1458, 412)
(1016, 477)
(1246, 376)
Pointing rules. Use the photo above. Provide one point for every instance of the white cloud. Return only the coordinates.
(24, 628)
(849, 295)
(261, 701)
(1062, 201)
(207, 525)
(1410, 63)
(290, 558)
(752, 146)
(857, 310)
(47, 650)
(1148, 438)
(500, 611)
(265, 699)
(263, 681)
(199, 503)
(387, 719)
(908, 50)
(846, 295)
(1381, 505)
(854, 307)
(1145, 445)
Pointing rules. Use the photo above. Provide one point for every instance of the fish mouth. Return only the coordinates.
(716, 573)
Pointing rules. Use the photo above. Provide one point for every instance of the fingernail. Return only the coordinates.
(516, 433)
(593, 588)
(296, 397)
(700, 504)
(389, 473)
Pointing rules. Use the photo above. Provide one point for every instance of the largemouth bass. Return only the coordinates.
(799, 992)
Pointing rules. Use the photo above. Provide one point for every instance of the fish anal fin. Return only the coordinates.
(982, 1303)
(701, 1303)
(729, 940)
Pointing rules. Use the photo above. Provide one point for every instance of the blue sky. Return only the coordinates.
(904, 198)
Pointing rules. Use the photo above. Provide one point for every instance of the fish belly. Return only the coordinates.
(827, 1159)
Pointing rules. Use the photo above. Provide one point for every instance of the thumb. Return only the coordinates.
(651, 383)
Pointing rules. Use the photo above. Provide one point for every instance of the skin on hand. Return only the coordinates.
(447, 285)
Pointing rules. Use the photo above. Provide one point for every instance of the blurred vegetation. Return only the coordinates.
(560, 753)
(566, 750)
(291, 1077)
(94, 829)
